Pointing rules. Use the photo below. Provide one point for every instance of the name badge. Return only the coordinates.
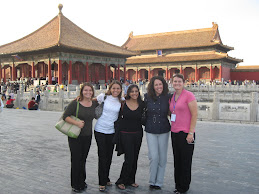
(173, 117)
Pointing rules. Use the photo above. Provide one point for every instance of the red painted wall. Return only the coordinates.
(226, 73)
(245, 76)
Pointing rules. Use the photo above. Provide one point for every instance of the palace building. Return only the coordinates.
(198, 54)
(62, 50)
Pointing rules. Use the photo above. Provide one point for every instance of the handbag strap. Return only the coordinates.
(77, 109)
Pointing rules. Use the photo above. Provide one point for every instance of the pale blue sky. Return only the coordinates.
(113, 20)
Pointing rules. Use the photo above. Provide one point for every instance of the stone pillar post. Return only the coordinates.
(77, 90)
(254, 107)
(31, 94)
(18, 99)
(215, 106)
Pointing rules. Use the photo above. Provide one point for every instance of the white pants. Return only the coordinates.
(157, 154)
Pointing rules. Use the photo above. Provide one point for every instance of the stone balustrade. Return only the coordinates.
(218, 102)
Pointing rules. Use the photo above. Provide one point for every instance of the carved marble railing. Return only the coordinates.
(238, 103)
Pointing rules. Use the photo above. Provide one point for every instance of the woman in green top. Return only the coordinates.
(79, 147)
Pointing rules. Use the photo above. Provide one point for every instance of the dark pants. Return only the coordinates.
(131, 143)
(79, 149)
(9, 105)
(182, 161)
(35, 107)
(105, 151)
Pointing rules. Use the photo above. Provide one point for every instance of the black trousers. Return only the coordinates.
(79, 149)
(35, 107)
(9, 105)
(105, 152)
(131, 143)
(182, 161)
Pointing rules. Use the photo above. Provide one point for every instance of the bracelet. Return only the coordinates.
(190, 133)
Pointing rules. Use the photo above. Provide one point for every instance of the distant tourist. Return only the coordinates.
(37, 97)
(9, 102)
(32, 105)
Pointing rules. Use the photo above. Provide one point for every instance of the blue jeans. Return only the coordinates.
(157, 154)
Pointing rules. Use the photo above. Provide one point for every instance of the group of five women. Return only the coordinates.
(158, 104)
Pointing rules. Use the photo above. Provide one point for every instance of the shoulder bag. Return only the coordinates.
(99, 109)
(69, 129)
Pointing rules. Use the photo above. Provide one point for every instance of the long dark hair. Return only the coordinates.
(150, 89)
(127, 97)
(110, 86)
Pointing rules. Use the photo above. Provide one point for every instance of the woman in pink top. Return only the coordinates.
(183, 107)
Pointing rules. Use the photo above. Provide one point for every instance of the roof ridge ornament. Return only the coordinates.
(60, 6)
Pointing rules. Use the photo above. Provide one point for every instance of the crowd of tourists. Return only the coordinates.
(121, 125)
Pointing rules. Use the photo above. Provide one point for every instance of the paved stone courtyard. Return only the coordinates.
(34, 158)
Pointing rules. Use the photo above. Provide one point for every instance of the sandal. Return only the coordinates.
(109, 183)
(121, 186)
(134, 185)
(102, 188)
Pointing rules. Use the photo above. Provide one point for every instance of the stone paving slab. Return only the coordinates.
(35, 158)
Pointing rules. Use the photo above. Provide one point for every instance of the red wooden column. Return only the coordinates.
(49, 73)
(220, 73)
(32, 70)
(86, 72)
(0, 73)
(59, 72)
(4, 76)
(181, 70)
(125, 78)
(119, 72)
(166, 73)
(137, 75)
(211, 73)
(196, 74)
(114, 73)
(78, 73)
(70, 72)
(128, 74)
(106, 73)
(13, 73)
(149, 74)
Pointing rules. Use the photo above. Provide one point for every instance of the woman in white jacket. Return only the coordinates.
(104, 131)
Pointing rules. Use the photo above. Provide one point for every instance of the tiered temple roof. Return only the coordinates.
(180, 40)
(206, 37)
(60, 32)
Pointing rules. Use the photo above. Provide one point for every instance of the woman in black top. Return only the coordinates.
(131, 134)
(79, 147)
